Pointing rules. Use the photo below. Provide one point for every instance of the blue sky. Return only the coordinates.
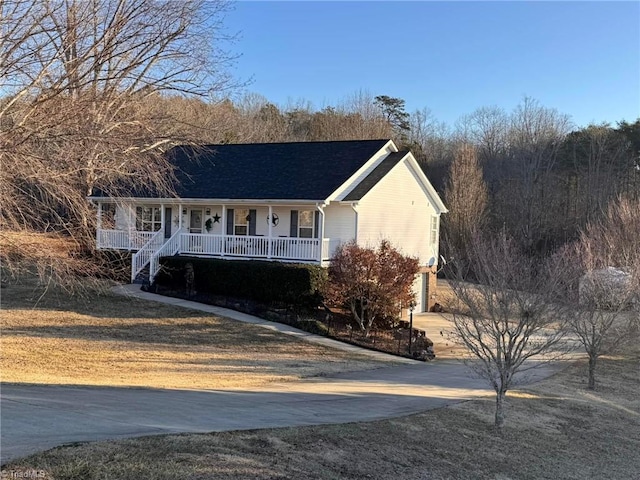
(582, 58)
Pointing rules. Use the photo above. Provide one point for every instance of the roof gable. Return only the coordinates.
(384, 167)
(375, 176)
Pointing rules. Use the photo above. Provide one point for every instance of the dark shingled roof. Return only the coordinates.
(286, 171)
(375, 176)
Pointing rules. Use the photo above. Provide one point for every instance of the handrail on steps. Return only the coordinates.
(170, 247)
(142, 257)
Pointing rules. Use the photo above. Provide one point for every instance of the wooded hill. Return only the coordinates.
(93, 93)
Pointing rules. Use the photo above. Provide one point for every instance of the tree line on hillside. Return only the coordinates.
(95, 92)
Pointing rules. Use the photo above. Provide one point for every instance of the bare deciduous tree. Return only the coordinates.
(505, 321)
(602, 283)
(534, 139)
(80, 79)
(466, 197)
(487, 128)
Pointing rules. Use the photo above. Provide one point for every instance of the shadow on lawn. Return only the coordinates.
(96, 303)
(224, 334)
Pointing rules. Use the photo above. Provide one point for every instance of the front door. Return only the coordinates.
(195, 221)
(167, 222)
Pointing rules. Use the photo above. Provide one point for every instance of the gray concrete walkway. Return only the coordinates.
(134, 291)
(38, 417)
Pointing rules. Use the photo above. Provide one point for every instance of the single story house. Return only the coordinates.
(288, 202)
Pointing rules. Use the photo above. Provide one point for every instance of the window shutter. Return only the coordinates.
(316, 224)
(293, 232)
(230, 220)
(252, 222)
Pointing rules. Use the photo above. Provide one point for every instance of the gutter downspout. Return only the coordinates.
(354, 206)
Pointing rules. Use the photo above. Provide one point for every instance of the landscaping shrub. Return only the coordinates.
(265, 282)
(372, 283)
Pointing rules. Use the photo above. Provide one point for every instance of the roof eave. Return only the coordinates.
(343, 189)
(207, 201)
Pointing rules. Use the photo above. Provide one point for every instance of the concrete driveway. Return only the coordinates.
(39, 417)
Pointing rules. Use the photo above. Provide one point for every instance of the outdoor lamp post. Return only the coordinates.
(412, 305)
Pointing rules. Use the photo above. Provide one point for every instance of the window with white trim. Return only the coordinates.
(241, 221)
(306, 224)
(434, 230)
(148, 219)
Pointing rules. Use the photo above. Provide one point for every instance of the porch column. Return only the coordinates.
(179, 216)
(270, 217)
(224, 230)
(162, 219)
(99, 225)
(132, 224)
(320, 232)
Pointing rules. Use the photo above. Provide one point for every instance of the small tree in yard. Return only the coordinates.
(603, 283)
(371, 283)
(506, 319)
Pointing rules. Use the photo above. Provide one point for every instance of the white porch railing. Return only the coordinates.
(246, 246)
(151, 246)
(306, 249)
(296, 248)
(170, 248)
(143, 256)
(197, 243)
(329, 247)
(123, 239)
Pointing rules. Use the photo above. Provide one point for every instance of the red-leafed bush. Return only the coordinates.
(372, 283)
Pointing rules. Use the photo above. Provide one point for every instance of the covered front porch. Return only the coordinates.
(293, 249)
(290, 233)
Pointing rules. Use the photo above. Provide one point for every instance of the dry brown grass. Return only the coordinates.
(555, 430)
(51, 257)
(107, 339)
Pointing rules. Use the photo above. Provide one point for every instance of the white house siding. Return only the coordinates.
(339, 223)
(284, 220)
(398, 209)
(262, 212)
